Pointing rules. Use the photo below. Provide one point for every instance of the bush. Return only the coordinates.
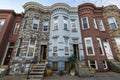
(61, 72)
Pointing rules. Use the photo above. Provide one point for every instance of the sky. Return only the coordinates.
(17, 5)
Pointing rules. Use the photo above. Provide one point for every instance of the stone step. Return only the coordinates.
(36, 73)
(42, 69)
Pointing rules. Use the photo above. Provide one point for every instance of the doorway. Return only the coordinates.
(9, 53)
(43, 51)
(76, 50)
(108, 50)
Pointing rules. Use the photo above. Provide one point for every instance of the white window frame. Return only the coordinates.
(55, 45)
(95, 24)
(73, 29)
(66, 53)
(18, 46)
(37, 23)
(101, 46)
(102, 25)
(16, 28)
(65, 21)
(117, 43)
(32, 46)
(55, 21)
(114, 22)
(89, 38)
(46, 23)
(2, 22)
(95, 64)
(87, 23)
(105, 64)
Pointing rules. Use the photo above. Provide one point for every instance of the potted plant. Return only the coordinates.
(72, 64)
(48, 71)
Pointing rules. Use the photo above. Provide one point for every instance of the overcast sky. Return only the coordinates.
(16, 5)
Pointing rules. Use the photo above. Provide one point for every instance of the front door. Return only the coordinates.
(76, 50)
(55, 66)
(108, 50)
(43, 51)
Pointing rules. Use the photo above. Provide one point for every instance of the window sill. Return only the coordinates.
(66, 29)
(54, 29)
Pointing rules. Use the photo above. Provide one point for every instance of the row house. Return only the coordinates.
(112, 17)
(10, 23)
(97, 44)
(53, 33)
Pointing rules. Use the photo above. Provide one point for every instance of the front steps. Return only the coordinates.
(114, 65)
(82, 70)
(37, 72)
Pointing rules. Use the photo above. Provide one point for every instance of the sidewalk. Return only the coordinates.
(98, 76)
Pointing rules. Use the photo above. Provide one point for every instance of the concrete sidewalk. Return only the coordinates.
(97, 76)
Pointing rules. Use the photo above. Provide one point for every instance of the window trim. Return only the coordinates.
(89, 38)
(2, 19)
(66, 53)
(102, 25)
(101, 45)
(95, 24)
(15, 27)
(114, 22)
(105, 64)
(87, 23)
(35, 23)
(55, 53)
(95, 64)
(32, 47)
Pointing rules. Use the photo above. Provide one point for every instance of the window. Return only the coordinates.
(55, 46)
(2, 21)
(25, 22)
(92, 64)
(100, 25)
(117, 40)
(112, 23)
(19, 47)
(45, 26)
(100, 46)
(55, 23)
(31, 48)
(104, 64)
(35, 23)
(66, 46)
(73, 25)
(16, 28)
(65, 21)
(89, 46)
(94, 24)
(85, 23)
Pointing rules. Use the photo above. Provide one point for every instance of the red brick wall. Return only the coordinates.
(90, 11)
(6, 33)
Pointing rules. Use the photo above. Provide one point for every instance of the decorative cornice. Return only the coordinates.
(39, 6)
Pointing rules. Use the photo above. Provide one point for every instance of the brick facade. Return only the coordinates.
(6, 32)
(93, 12)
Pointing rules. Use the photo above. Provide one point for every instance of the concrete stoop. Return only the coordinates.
(3, 70)
(82, 70)
(37, 72)
(114, 65)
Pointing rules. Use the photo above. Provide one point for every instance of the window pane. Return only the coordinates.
(32, 42)
(35, 26)
(16, 28)
(65, 26)
(31, 51)
(2, 21)
(85, 25)
(45, 28)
